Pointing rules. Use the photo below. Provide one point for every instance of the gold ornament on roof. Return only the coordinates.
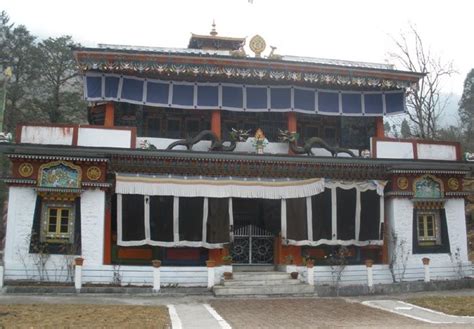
(25, 170)
(402, 183)
(453, 184)
(257, 45)
(94, 173)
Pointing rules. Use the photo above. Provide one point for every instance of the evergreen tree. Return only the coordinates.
(466, 111)
(61, 99)
(405, 130)
(387, 128)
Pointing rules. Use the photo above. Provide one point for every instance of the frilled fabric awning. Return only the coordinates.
(223, 187)
(241, 97)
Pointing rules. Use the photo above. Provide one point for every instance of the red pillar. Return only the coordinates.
(379, 129)
(216, 122)
(108, 237)
(292, 122)
(292, 126)
(109, 115)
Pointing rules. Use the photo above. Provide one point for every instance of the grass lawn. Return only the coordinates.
(460, 305)
(85, 316)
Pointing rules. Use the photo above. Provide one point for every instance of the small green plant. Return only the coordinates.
(227, 259)
(289, 259)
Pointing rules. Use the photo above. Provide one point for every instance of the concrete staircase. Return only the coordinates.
(263, 283)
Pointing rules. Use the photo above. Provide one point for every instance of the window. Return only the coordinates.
(428, 228)
(58, 223)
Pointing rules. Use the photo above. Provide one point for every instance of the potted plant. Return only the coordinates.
(156, 262)
(227, 260)
(309, 262)
(294, 275)
(79, 261)
(228, 276)
(210, 263)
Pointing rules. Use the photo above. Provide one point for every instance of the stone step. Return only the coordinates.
(300, 289)
(263, 282)
(253, 268)
(246, 276)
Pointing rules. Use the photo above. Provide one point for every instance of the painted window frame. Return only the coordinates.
(439, 244)
(57, 237)
(424, 238)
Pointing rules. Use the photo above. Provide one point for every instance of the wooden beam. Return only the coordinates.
(216, 123)
(109, 115)
(379, 128)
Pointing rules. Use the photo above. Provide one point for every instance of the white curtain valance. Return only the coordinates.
(334, 243)
(232, 187)
(227, 187)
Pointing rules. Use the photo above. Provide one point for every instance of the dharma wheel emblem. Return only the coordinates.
(453, 184)
(402, 183)
(94, 173)
(25, 170)
(257, 45)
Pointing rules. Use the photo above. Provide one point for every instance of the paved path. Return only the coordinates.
(417, 312)
(196, 316)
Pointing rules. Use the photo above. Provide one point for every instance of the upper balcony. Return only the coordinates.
(121, 137)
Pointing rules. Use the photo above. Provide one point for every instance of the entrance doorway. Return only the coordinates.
(256, 223)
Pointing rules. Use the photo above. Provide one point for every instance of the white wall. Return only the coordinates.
(404, 150)
(103, 137)
(92, 226)
(352, 275)
(394, 150)
(399, 213)
(47, 135)
(436, 152)
(20, 264)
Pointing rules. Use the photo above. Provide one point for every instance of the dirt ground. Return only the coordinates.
(454, 305)
(84, 316)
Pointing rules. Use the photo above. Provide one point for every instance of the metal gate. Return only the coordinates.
(252, 245)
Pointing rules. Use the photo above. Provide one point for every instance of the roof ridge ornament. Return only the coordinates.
(257, 45)
(213, 31)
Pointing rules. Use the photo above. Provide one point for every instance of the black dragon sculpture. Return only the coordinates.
(292, 137)
(216, 144)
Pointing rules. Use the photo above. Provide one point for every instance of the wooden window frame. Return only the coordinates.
(57, 236)
(424, 239)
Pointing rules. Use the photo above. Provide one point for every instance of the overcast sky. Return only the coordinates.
(354, 30)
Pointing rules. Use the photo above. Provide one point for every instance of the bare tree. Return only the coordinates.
(424, 103)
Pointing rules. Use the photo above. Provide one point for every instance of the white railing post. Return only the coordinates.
(79, 261)
(211, 273)
(2, 275)
(156, 275)
(426, 265)
(370, 274)
(310, 272)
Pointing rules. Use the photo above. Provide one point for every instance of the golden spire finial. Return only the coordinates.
(213, 31)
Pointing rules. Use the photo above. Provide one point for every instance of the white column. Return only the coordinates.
(78, 274)
(310, 275)
(211, 273)
(283, 219)
(156, 279)
(426, 265)
(370, 275)
(2, 275)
